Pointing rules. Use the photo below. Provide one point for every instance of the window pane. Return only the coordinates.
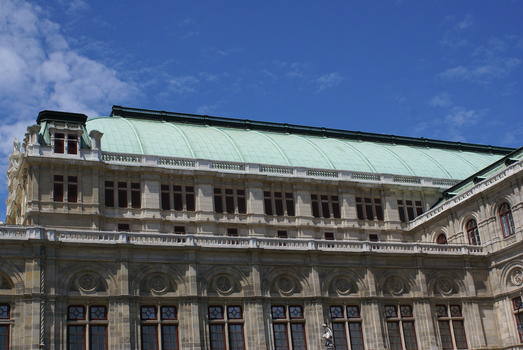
(169, 337)
(336, 312)
(4, 337)
(295, 312)
(280, 336)
(98, 313)
(217, 337)
(149, 337)
(236, 337)
(410, 335)
(393, 330)
(278, 203)
(298, 336)
(519, 323)
(234, 312)
(148, 313)
(4, 311)
(356, 336)
(215, 313)
(459, 334)
(340, 337)
(98, 337)
(168, 313)
(75, 337)
(76, 313)
(278, 312)
(444, 332)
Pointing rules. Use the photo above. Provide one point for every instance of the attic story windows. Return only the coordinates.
(177, 197)
(507, 222)
(65, 188)
(369, 208)
(409, 210)
(229, 200)
(278, 203)
(123, 192)
(325, 206)
(65, 143)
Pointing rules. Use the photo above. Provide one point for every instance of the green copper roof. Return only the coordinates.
(203, 137)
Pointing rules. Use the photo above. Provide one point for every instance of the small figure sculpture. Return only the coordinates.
(328, 336)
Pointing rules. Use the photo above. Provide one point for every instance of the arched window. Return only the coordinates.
(442, 239)
(472, 232)
(507, 223)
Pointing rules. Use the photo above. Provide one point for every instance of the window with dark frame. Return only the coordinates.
(329, 236)
(5, 316)
(409, 210)
(122, 193)
(65, 187)
(326, 206)
(58, 188)
(232, 232)
(159, 330)
(451, 327)
(72, 144)
(177, 197)
(59, 143)
(87, 327)
(507, 222)
(369, 208)
(373, 237)
(288, 325)
(123, 228)
(179, 230)
(517, 306)
(346, 327)
(441, 239)
(400, 327)
(226, 327)
(473, 232)
(230, 201)
(279, 203)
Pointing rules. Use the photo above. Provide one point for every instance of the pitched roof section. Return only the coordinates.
(138, 131)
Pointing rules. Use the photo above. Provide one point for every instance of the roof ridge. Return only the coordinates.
(129, 112)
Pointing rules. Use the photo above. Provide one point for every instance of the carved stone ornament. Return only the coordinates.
(444, 286)
(343, 286)
(87, 282)
(394, 286)
(516, 276)
(157, 283)
(285, 285)
(224, 285)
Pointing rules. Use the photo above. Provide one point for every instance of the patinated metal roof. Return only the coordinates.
(137, 131)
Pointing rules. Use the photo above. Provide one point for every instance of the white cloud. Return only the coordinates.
(39, 70)
(459, 116)
(441, 100)
(327, 81)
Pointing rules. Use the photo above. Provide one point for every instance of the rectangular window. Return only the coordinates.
(325, 206)
(517, 305)
(59, 143)
(109, 194)
(346, 327)
(159, 330)
(232, 232)
(179, 230)
(373, 237)
(124, 228)
(283, 234)
(230, 201)
(400, 327)
(409, 210)
(369, 208)
(83, 320)
(58, 188)
(279, 203)
(122, 194)
(5, 315)
(72, 144)
(288, 327)
(135, 195)
(329, 236)
(451, 327)
(226, 328)
(72, 189)
(177, 197)
(165, 197)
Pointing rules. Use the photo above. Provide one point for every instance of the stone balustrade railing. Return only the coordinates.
(13, 233)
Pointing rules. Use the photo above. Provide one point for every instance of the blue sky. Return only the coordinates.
(444, 69)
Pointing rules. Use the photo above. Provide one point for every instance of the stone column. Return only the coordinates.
(424, 324)
(371, 312)
(189, 310)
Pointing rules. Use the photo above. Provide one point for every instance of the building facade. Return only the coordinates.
(157, 230)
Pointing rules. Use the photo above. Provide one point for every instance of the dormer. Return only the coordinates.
(63, 132)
